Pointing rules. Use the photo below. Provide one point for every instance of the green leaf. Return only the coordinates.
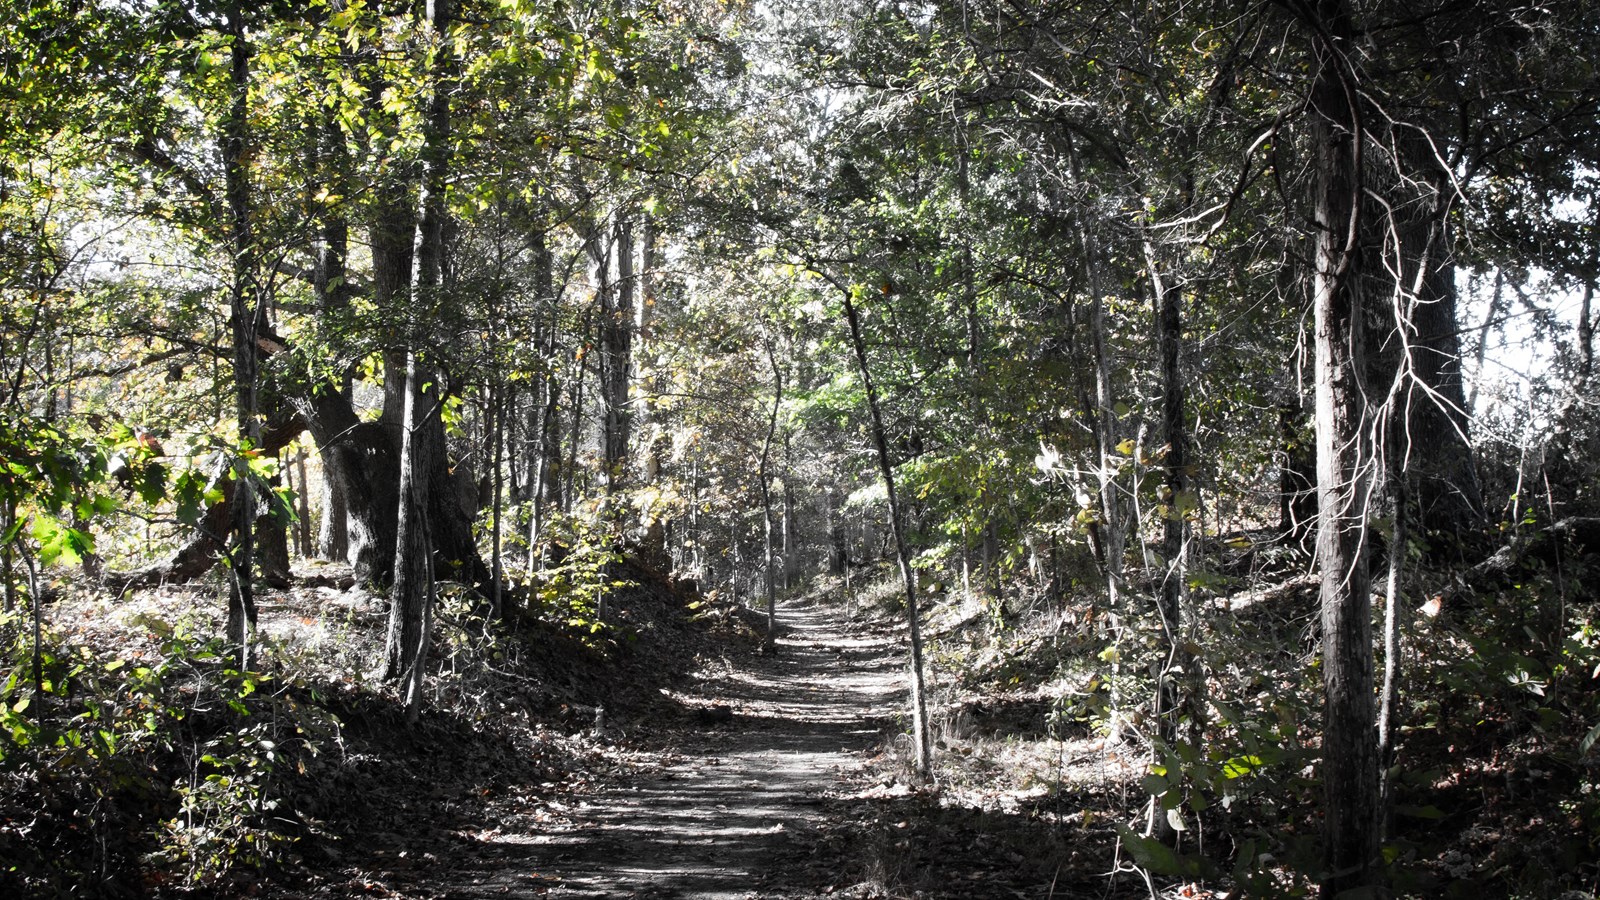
(1158, 857)
(1588, 742)
(60, 543)
(1240, 766)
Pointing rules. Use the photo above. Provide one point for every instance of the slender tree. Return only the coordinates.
(922, 744)
(764, 475)
(245, 310)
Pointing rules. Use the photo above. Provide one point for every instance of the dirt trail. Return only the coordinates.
(734, 815)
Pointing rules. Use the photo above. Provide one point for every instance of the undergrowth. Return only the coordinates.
(1494, 778)
(126, 770)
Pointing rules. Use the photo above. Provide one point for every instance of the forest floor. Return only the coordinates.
(666, 756)
(779, 780)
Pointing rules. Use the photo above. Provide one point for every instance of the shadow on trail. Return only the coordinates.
(747, 793)
(767, 803)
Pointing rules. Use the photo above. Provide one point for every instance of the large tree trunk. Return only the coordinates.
(410, 618)
(360, 460)
(1344, 458)
(333, 528)
(1449, 500)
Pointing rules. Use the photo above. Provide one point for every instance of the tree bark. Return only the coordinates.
(360, 461)
(610, 249)
(580, 366)
(331, 292)
(497, 407)
(1442, 464)
(302, 532)
(410, 620)
(1344, 460)
(1169, 700)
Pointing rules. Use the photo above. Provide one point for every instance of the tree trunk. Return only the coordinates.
(765, 476)
(272, 551)
(921, 741)
(497, 407)
(580, 365)
(405, 651)
(1449, 499)
(1169, 699)
(331, 292)
(1349, 764)
(360, 462)
(1387, 694)
(244, 317)
(786, 568)
(644, 309)
(610, 249)
(838, 538)
(410, 619)
(302, 542)
(333, 528)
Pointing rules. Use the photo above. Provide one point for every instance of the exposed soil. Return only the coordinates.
(719, 807)
(777, 780)
(743, 790)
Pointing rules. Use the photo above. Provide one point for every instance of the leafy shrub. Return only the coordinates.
(574, 585)
(134, 767)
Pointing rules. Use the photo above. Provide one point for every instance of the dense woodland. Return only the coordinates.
(1214, 379)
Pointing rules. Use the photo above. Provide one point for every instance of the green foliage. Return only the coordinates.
(167, 758)
(572, 589)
